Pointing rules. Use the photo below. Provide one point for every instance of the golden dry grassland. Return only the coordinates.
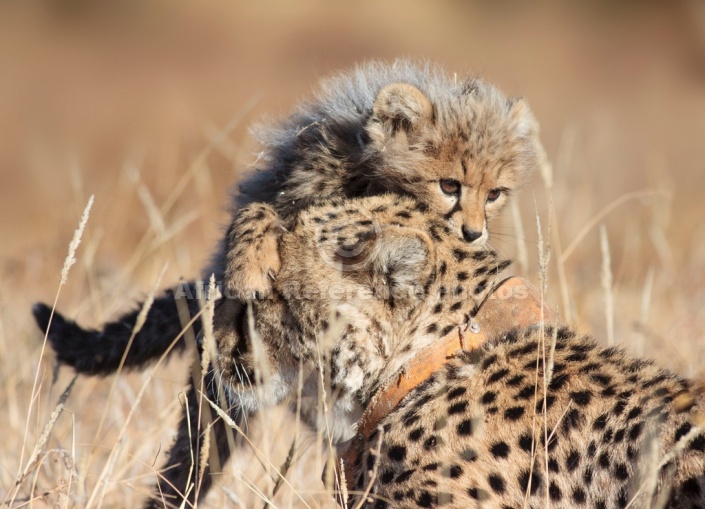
(146, 106)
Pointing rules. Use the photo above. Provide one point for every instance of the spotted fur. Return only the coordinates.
(514, 425)
(376, 279)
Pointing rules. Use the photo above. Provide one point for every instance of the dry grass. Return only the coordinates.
(623, 131)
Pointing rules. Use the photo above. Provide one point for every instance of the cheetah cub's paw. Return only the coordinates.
(253, 252)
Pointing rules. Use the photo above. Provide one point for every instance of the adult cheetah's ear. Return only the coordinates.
(402, 260)
(399, 107)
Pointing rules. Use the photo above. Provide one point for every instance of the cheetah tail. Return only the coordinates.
(95, 352)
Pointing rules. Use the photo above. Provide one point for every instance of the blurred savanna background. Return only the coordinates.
(147, 106)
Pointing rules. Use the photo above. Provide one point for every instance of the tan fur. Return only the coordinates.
(403, 102)
(483, 146)
(253, 268)
(475, 434)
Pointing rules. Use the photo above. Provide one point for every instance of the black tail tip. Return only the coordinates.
(42, 314)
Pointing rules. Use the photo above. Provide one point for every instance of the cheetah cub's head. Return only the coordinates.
(462, 153)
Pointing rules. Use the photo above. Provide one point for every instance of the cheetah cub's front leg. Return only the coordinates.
(253, 252)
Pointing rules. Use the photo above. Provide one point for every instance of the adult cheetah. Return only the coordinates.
(518, 423)
(537, 417)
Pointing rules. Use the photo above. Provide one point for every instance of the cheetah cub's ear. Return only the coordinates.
(524, 122)
(527, 145)
(253, 261)
(399, 109)
(402, 261)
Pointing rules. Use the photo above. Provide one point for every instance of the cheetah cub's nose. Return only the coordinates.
(470, 235)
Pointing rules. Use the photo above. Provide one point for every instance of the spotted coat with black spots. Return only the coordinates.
(501, 428)
(367, 283)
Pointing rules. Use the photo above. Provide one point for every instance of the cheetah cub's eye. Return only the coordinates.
(450, 187)
(494, 194)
